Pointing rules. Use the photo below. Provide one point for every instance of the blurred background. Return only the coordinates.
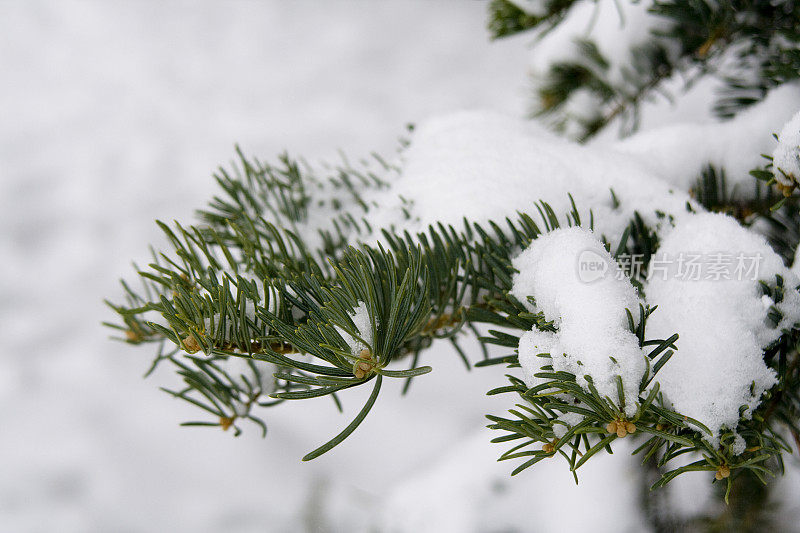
(114, 114)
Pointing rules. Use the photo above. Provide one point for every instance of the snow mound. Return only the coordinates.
(678, 153)
(577, 284)
(485, 166)
(705, 281)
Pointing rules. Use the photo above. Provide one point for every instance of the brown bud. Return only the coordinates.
(548, 448)
(702, 52)
(612, 426)
(786, 190)
(621, 431)
(722, 472)
(132, 336)
(630, 427)
(225, 422)
(190, 344)
(365, 366)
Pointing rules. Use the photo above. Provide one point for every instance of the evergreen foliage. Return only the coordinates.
(750, 45)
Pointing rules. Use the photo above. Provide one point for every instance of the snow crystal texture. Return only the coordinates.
(577, 284)
(452, 159)
(721, 322)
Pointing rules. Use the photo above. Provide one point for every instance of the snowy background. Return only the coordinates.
(113, 115)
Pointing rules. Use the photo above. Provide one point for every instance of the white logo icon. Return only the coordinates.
(591, 266)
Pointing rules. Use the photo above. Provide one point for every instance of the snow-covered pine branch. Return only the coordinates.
(623, 307)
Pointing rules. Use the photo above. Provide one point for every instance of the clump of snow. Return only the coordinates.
(721, 320)
(577, 284)
(361, 320)
(739, 445)
(451, 160)
(786, 157)
(679, 152)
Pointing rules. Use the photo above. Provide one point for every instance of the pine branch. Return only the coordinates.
(507, 18)
(752, 46)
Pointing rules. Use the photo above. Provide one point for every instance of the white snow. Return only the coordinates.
(679, 152)
(452, 158)
(721, 322)
(786, 157)
(739, 445)
(361, 320)
(587, 305)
